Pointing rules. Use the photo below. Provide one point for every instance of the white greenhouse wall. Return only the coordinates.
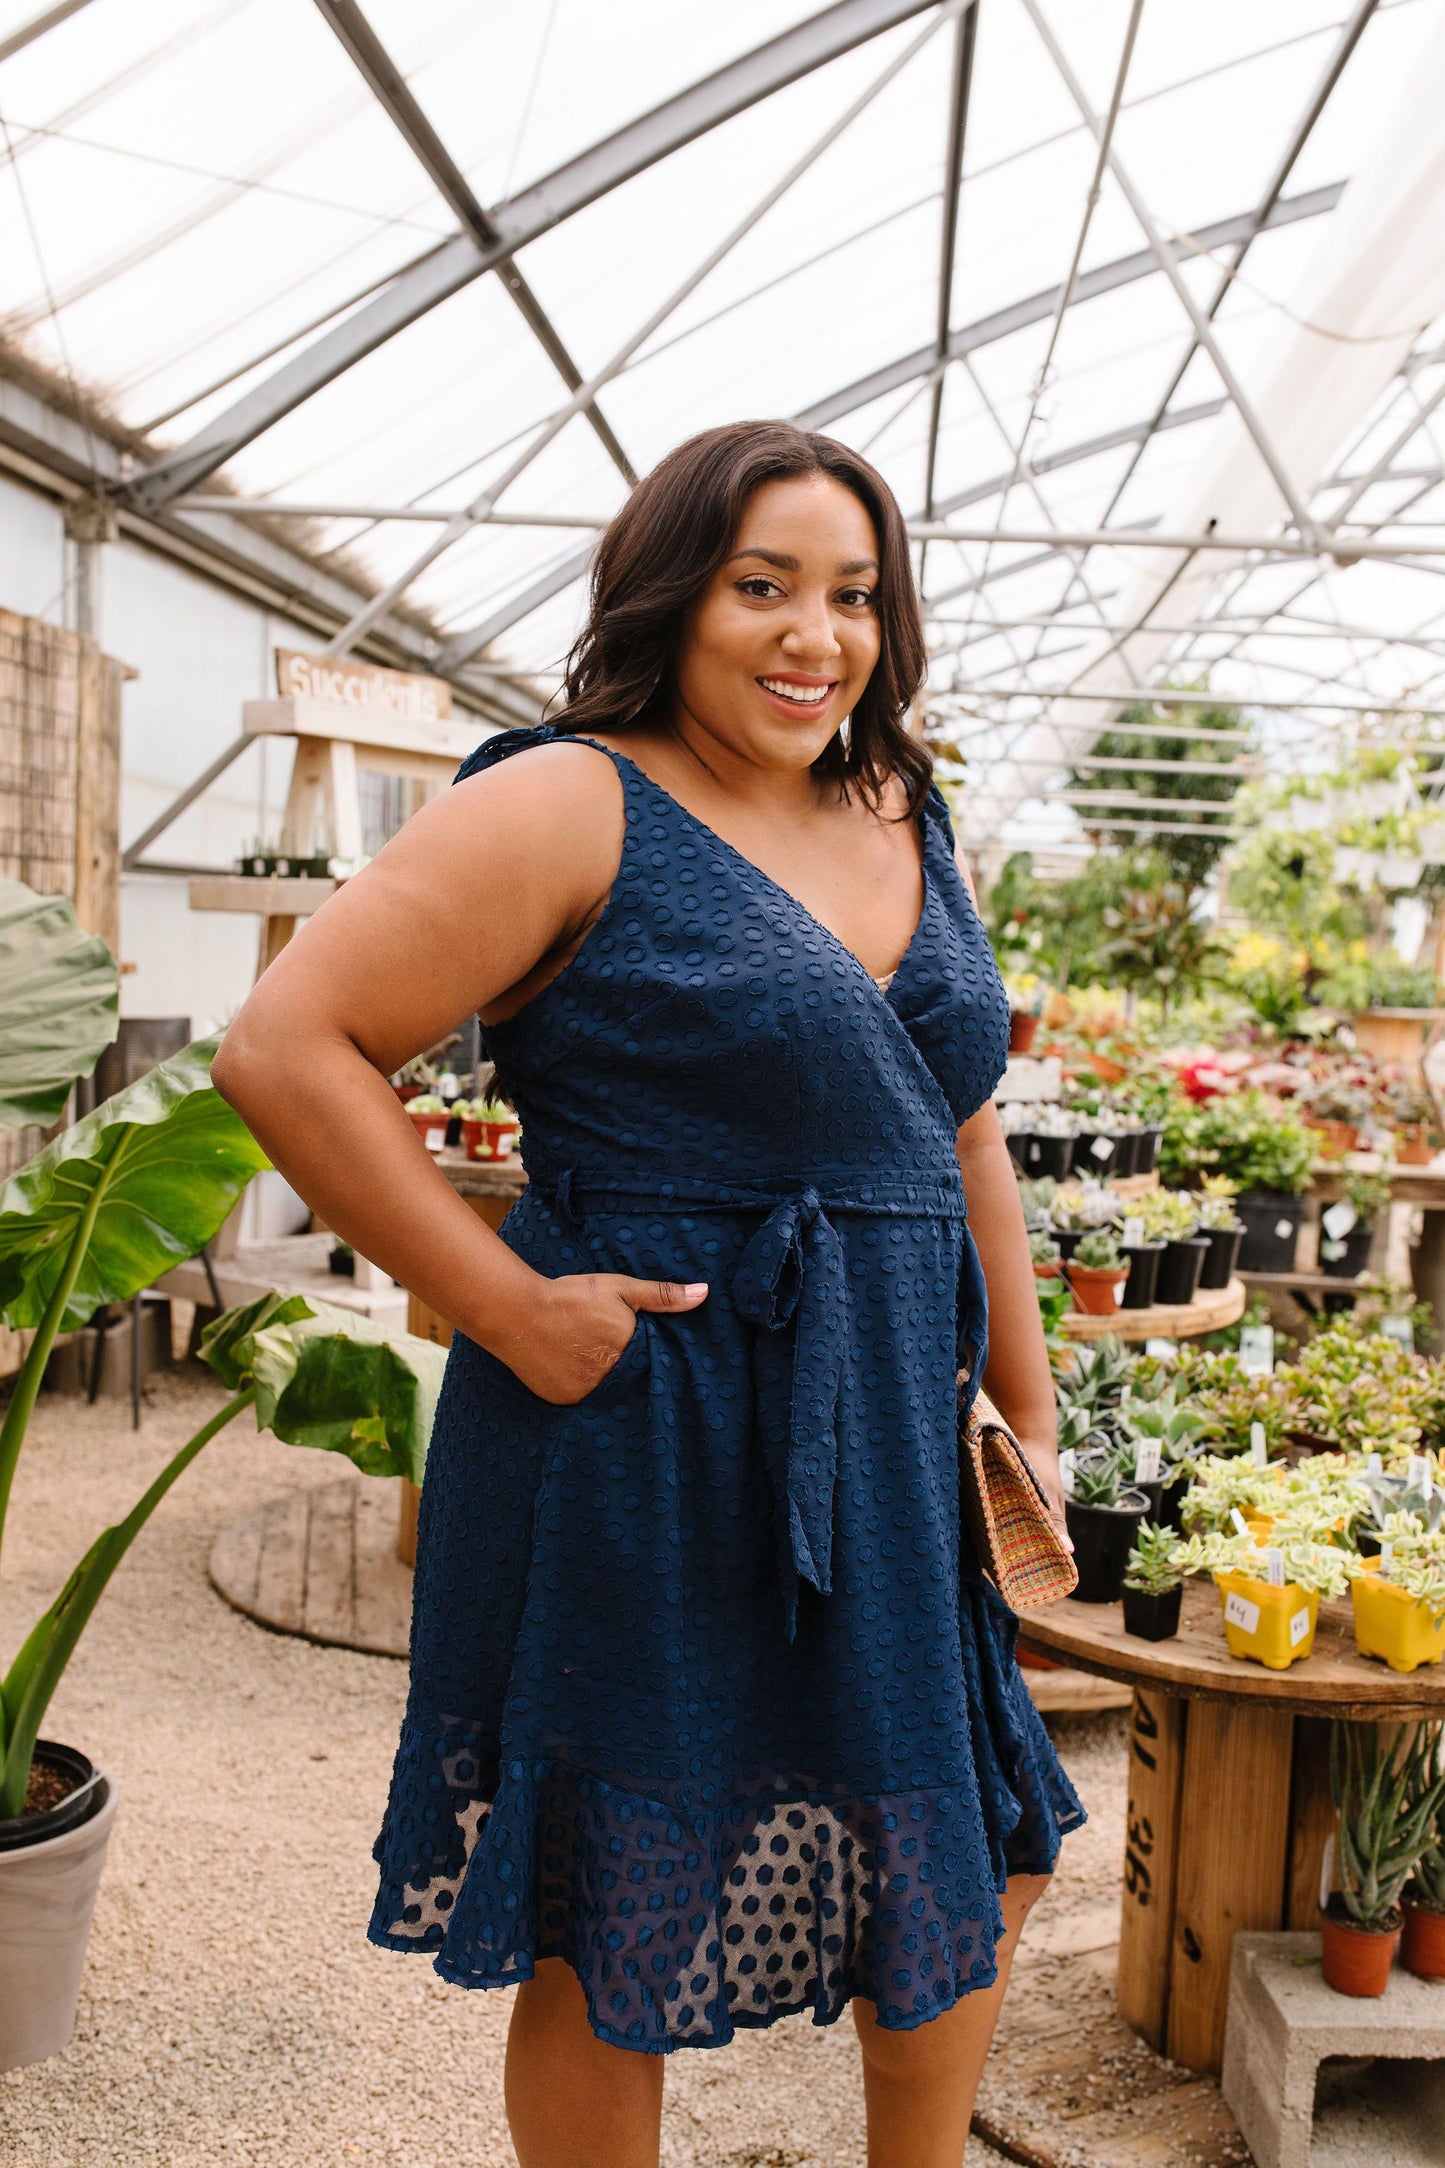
(32, 553)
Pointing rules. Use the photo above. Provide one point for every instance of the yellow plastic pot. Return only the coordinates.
(1391, 1624)
(1271, 1626)
(1260, 1525)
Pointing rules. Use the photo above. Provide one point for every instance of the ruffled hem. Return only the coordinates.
(687, 1923)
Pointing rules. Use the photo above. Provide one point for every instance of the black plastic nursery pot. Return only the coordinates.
(1179, 1270)
(1068, 1239)
(1143, 1275)
(1354, 1253)
(1271, 1229)
(1053, 1156)
(84, 1798)
(1103, 1538)
(1018, 1149)
(1098, 1151)
(1126, 1159)
(1221, 1257)
(1152, 1618)
(1146, 1151)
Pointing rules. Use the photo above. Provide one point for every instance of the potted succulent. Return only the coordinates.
(1422, 1945)
(1047, 1148)
(1142, 1256)
(1153, 1585)
(430, 1116)
(1269, 1591)
(1333, 1109)
(1096, 1273)
(489, 1128)
(1171, 1216)
(1045, 1254)
(1025, 992)
(1387, 1791)
(1036, 1198)
(1347, 1228)
(1173, 1431)
(1398, 1597)
(418, 1076)
(114, 1201)
(1265, 1150)
(1078, 1210)
(1222, 1229)
(1103, 1512)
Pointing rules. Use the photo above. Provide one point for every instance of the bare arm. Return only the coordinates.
(471, 908)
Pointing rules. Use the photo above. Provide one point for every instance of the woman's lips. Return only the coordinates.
(798, 696)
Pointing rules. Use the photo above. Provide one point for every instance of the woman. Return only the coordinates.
(710, 1718)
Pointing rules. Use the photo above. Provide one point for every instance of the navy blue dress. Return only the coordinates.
(709, 1696)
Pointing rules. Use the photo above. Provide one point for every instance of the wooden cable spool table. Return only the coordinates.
(1229, 1804)
(1209, 1312)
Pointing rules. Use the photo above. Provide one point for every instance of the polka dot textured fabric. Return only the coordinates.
(709, 1696)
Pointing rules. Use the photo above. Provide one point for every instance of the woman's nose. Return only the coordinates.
(811, 635)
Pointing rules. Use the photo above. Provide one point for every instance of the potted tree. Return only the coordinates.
(1222, 1229)
(1096, 1273)
(112, 1203)
(1153, 1585)
(1422, 1945)
(1387, 1791)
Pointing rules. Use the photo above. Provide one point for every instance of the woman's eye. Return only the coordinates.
(760, 586)
(856, 598)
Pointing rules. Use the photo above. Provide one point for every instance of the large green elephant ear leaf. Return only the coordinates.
(329, 1378)
(58, 1004)
(154, 1171)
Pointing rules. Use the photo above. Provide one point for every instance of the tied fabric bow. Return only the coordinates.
(791, 1283)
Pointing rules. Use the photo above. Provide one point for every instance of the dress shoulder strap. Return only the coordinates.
(503, 744)
(935, 812)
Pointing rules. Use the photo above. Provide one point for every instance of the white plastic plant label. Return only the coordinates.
(1240, 1612)
(1274, 1566)
(1299, 1626)
(1256, 1350)
(1258, 1448)
(1374, 1465)
(1284, 1229)
(1387, 1559)
(1066, 1471)
(1102, 1148)
(1118, 1294)
(1417, 1473)
(1338, 1219)
(1241, 1525)
(1401, 1331)
(1133, 1236)
(1163, 1351)
(1146, 1464)
(436, 1138)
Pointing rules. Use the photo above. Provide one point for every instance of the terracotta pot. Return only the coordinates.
(490, 1140)
(1356, 1960)
(1412, 1145)
(1422, 1945)
(1048, 1272)
(1335, 1137)
(1022, 1031)
(431, 1128)
(1097, 1294)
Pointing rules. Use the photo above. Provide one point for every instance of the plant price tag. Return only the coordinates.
(1240, 1612)
(1374, 1465)
(1163, 1351)
(1258, 1449)
(1274, 1567)
(1102, 1147)
(1387, 1557)
(1299, 1626)
(1338, 1219)
(1133, 1236)
(1256, 1350)
(1417, 1474)
(1401, 1331)
(1241, 1525)
(1146, 1464)
(1066, 1470)
(1284, 1229)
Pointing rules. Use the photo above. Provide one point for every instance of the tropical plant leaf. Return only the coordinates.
(329, 1378)
(159, 1166)
(58, 1003)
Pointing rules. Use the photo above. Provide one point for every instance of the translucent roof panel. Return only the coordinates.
(187, 219)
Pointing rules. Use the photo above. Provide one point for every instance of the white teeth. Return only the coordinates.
(806, 695)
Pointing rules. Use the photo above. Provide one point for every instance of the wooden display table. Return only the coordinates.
(1229, 1802)
(1163, 1320)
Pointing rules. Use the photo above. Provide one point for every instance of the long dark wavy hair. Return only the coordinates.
(658, 555)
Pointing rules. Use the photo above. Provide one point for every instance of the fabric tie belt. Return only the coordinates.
(791, 1284)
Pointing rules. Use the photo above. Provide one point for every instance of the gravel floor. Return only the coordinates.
(232, 2010)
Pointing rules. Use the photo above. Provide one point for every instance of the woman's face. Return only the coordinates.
(786, 634)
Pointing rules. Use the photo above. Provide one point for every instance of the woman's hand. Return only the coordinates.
(1044, 1461)
(578, 1327)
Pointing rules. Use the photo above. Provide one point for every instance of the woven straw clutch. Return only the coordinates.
(1007, 1515)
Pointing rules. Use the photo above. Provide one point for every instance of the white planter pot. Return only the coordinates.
(47, 1896)
(1398, 870)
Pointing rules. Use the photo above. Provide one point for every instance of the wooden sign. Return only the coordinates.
(341, 683)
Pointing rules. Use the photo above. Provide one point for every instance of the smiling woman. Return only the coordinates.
(713, 1713)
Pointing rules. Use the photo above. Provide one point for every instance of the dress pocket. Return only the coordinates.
(633, 1363)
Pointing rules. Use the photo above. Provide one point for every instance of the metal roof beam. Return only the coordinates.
(965, 37)
(394, 94)
(1036, 308)
(445, 270)
(38, 25)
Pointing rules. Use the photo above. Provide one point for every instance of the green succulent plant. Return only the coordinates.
(1388, 1791)
(1098, 1252)
(1151, 1567)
